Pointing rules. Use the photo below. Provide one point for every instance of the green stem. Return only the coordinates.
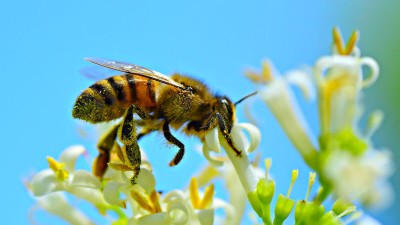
(267, 215)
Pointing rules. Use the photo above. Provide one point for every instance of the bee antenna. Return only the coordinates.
(247, 96)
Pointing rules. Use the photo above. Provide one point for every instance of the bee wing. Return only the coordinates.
(137, 70)
(98, 73)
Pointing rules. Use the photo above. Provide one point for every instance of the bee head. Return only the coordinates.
(226, 109)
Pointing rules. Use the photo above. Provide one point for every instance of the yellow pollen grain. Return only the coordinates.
(208, 197)
(194, 193)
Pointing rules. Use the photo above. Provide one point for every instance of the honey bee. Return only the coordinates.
(160, 102)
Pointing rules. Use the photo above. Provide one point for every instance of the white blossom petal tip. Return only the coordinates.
(374, 71)
(213, 161)
(304, 81)
(254, 135)
(70, 155)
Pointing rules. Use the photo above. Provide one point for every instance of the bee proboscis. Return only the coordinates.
(160, 102)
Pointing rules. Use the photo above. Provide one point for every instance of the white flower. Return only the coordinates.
(177, 207)
(119, 183)
(237, 195)
(280, 99)
(178, 211)
(242, 165)
(62, 176)
(339, 80)
(363, 178)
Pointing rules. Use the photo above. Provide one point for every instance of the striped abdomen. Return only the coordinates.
(109, 98)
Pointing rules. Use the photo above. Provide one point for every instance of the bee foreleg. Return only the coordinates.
(104, 147)
(167, 134)
(227, 135)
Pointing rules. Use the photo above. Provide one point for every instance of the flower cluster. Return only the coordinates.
(347, 162)
(348, 166)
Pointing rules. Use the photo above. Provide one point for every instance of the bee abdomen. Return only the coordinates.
(105, 91)
(108, 99)
(142, 91)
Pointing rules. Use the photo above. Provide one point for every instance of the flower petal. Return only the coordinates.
(206, 216)
(82, 178)
(178, 212)
(56, 204)
(206, 153)
(156, 218)
(213, 141)
(254, 134)
(69, 156)
(111, 194)
(243, 167)
(282, 103)
(302, 80)
(94, 196)
(146, 180)
(373, 76)
(46, 182)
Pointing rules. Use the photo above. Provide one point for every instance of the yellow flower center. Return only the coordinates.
(197, 202)
(58, 168)
(149, 203)
(328, 90)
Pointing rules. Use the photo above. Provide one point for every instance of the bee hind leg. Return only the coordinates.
(128, 136)
(104, 147)
(167, 134)
(127, 132)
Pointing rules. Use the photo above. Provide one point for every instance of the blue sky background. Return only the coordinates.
(43, 43)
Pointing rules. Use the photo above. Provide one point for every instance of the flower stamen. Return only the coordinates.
(194, 194)
(265, 76)
(295, 174)
(339, 44)
(58, 168)
(143, 201)
(311, 181)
